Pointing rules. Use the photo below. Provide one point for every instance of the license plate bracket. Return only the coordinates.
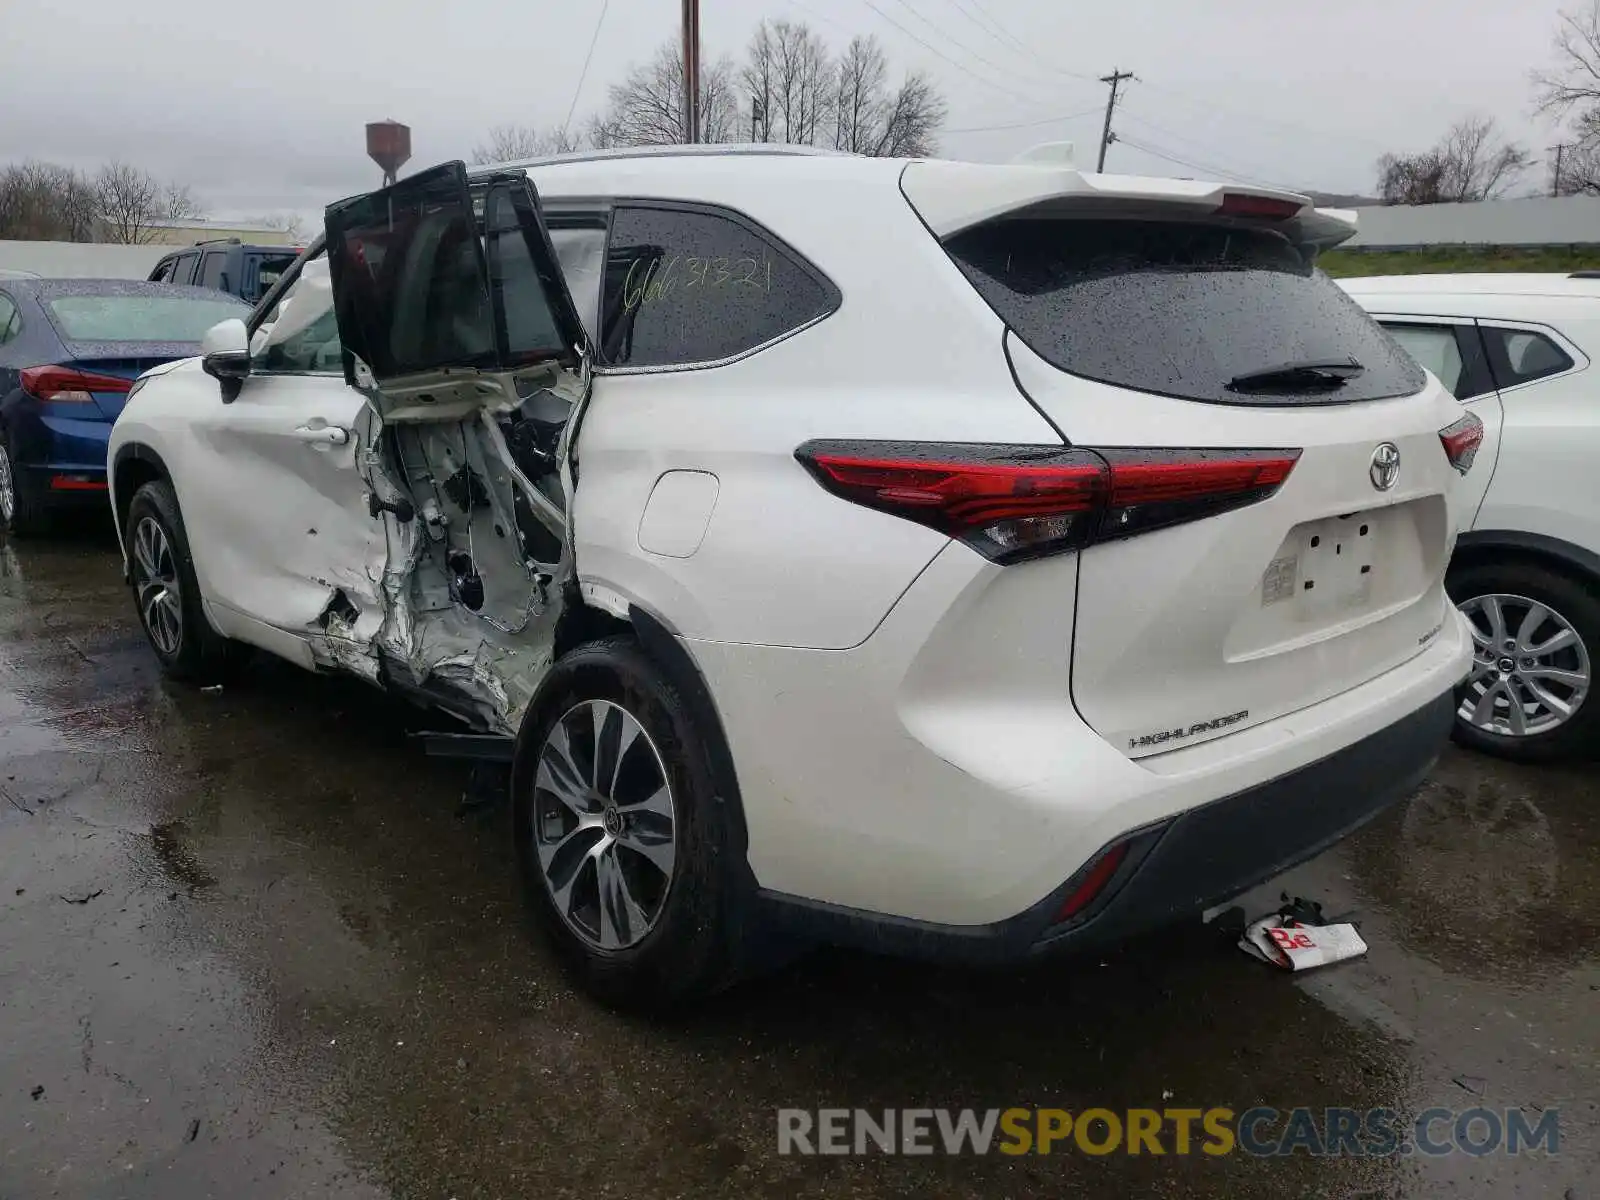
(1327, 566)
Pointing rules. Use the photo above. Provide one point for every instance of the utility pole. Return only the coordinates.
(1106, 136)
(1555, 184)
(691, 70)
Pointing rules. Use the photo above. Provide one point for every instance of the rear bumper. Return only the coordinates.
(60, 458)
(1176, 868)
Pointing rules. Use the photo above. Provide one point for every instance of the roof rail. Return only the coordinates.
(1584, 275)
(227, 241)
(697, 150)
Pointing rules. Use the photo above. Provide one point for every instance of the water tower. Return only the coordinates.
(389, 145)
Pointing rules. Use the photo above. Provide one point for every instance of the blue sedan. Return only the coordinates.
(70, 350)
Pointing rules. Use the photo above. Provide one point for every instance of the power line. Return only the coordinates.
(1088, 112)
(962, 67)
(1196, 165)
(1172, 133)
(1003, 38)
(1023, 47)
(1292, 127)
(584, 74)
(990, 63)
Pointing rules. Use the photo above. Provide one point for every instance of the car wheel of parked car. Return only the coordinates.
(1537, 635)
(621, 838)
(21, 512)
(165, 591)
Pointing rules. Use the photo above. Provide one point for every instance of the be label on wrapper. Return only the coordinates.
(1296, 947)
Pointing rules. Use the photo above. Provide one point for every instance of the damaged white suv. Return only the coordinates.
(952, 559)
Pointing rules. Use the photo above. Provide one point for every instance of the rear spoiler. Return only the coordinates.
(953, 196)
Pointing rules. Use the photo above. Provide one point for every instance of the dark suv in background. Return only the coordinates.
(228, 266)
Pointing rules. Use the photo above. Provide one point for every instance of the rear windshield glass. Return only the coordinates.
(139, 318)
(1181, 309)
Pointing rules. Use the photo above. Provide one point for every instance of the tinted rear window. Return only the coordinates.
(139, 318)
(270, 268)
(1177, 308)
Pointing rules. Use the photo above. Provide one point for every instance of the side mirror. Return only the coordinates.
(225, 356)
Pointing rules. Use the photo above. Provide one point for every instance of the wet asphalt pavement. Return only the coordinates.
(249, 949)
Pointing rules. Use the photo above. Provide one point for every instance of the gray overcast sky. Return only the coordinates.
(260, 107)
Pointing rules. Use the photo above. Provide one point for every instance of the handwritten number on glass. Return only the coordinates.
(652, 280)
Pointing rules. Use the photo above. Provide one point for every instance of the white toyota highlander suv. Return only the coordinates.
(944, 558)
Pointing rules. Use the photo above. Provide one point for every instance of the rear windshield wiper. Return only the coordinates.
(1312, 373)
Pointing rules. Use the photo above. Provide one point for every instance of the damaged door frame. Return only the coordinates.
(447, 380)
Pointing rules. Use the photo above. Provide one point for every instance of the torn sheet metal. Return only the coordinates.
(482, 651)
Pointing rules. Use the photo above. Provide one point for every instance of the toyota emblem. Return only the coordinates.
(1385, 467)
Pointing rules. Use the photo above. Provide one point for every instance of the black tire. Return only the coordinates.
(690, 949)
(29, 516)
(202, 655)
(1575, 602)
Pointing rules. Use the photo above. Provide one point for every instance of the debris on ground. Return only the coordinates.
(1298, 937)
(83, 897)
(211, 689)
(37, 1091)
(194, 1130)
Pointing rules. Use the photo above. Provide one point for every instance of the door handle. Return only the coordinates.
(325, 435)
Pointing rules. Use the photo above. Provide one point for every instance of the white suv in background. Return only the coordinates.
(1515, 351)
(955, 559)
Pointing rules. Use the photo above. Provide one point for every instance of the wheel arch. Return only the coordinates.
(1479, 547)
(133, 466)
(582, 622)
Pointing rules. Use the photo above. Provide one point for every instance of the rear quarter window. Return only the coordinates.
(1524, 355)
(686, 287)
(1178, 308)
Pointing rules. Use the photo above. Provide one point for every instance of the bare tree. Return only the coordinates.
(1579, 170)
(1571, 90)
(1471, 162)
(646, 108)
(178, 204)
(132, 201)
(292, 225)
(915, 113)
(507, 143)
(46, 202)
(870, 119)
(789, 73)
(129, 200)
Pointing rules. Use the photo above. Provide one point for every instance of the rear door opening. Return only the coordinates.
(1165, 332)
(457, 326)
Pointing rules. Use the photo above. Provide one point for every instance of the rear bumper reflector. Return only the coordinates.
(76, 483)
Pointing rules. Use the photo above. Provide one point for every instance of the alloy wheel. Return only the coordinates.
(155, 581)
(8, 487)
(1530, 668)
(604, 824)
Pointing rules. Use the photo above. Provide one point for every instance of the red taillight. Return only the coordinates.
(1151, 489)
(1094, 882)
(1009, 502)
(1240, 204)
(1012, 503)
(1461, 441)
(68, 385)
